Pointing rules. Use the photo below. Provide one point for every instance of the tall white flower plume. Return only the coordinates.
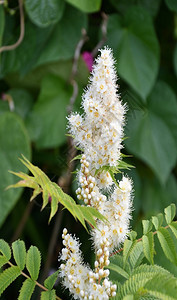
(99, 132)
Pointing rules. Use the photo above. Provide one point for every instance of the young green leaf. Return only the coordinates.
(170, 213)
(157, 221)
(147, 226)
(48, 295)
(128, 245)
(27, 289)
(118, 270)
(5, 249)
(7, 277)
(41, 183)
(148, 246)
(19, 253)
(173, 227)
(77, 157)
(167, 244)
(50, 281)
(132, 234)
(33, 262)
(136, 255)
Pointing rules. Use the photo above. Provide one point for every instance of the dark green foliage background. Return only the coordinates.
(143, 36)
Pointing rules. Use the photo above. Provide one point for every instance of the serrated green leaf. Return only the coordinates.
(41, 183)
(5, 249)
(19, 253)
(173, 227)
(147, 226)
(170, 213)
(27, 290)
(162, 286)
(88, 6)
(132, 234)
(50, 281)
(33, 262)
(157, 221)
(3, 261)
(136, 255)
(44, 12)
(137, 280)
(7, 277)
(92, 212)
(128, 245)
(118, 270)
(49, 295)
(148, 246)
(167, 244)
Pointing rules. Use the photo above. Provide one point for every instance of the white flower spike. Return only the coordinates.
(99, 133)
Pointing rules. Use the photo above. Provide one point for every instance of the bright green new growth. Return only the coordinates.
(40, 183)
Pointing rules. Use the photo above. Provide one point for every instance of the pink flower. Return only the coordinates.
(88, 58)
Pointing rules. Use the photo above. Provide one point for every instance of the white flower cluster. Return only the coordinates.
(99, 133)
(82, 282)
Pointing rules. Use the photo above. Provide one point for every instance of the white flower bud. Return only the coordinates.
(65, 231)
(101, 272)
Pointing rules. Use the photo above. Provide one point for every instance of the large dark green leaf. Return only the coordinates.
(44, 12)
(156, 196)
(47, 122)
(22, 101)
(86, 5)
(14, 141)
(136, 48)
(150, 5)
(153, 132)
(65, 37)
(24, 57)
(172, 4)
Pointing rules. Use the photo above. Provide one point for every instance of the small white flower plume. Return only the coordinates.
(99, 132)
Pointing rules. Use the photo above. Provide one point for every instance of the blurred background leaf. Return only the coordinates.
(14, 140)
(46, 12)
